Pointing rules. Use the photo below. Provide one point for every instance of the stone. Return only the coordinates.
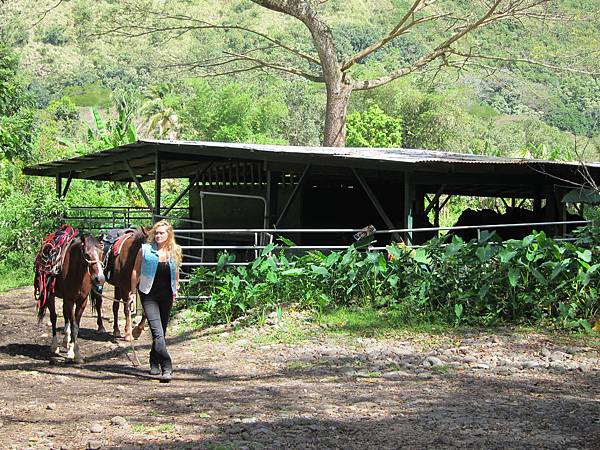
(248, 420)
(545, 352)
(51, 406)
(481, 366)
(119, 422)
(93, 445)
(469, 359)
(395, 375)
(559, 356)
(96, 428)
(530, 364)
(432, 361)
(424, 376)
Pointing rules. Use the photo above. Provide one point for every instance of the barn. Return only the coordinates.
(269, 187)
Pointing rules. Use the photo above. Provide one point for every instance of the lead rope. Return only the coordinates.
(136, 361)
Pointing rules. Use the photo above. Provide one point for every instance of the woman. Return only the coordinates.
(156, 271)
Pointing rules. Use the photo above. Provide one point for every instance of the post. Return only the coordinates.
(409, 196)
(157, 184)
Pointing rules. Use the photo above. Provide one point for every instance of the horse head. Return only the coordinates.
(91, 250)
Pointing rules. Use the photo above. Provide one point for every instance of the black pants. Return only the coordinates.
(158, 309)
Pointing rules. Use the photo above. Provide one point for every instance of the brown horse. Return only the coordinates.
(81, 271)
(120, 278)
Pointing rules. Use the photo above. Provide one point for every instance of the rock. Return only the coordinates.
(261, 430)
(51, 406)
(530, 364)
(504, 362)
(480, 366)
(249, 420)
(424, 376)
(119, 422)
(396, 375)
(545, 352)
(94, 445)
(559, 356)
(96, 428)
(432, 361)
(469, 359)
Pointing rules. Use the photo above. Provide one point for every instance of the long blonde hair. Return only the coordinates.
(171, 248)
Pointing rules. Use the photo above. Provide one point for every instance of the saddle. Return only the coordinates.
(113, 243)
(49, 262)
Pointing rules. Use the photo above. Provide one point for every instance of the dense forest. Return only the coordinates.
(77, 76)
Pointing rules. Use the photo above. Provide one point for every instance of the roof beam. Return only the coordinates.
(139, 185)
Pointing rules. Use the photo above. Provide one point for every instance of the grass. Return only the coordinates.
(11, 278)
(143, 428)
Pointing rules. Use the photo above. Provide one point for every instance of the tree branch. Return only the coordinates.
(196, 24)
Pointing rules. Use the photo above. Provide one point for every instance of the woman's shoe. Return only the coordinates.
(167, 376)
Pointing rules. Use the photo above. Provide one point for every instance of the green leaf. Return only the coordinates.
(513, 276)
(293, 272)
(286, 241)
(420, 256)
(585, 255)
(272, 277)
(506, 255)
(319, 270)
(458, 310)
(268, 249)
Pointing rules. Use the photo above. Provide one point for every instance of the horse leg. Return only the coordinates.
(70, 328)
(97, 304)
(137, 331)
(127, 310)
(54, 348)
(80, 307)
(116, 330)
(67, 328)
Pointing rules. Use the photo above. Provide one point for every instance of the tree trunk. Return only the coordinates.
(338, 95)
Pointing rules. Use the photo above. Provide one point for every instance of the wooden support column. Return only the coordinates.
(67, 185)
(293, 195)
(139, 186)
(272, 195)
(58, 185)
(157, 184)
(408, 205)
(388, 222)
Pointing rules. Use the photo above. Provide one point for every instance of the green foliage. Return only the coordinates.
(233, 113)
(16, 114)
(373, 128)
(117, 131)
(533, 281)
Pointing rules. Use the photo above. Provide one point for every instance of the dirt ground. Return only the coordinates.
(277, 387)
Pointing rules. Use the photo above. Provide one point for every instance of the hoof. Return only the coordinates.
(137, 332)
(101, 329)
(128, 338)
(79, 360)
(117, 333)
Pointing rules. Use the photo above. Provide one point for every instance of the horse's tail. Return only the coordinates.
(43, 284)
(96, 299)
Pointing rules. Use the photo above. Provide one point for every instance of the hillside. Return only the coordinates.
(77, 49)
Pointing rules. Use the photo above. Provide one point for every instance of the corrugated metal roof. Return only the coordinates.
(105, 165)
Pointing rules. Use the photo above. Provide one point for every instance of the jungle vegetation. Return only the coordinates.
(77, 76)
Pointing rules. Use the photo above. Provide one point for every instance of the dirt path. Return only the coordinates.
(249, 389)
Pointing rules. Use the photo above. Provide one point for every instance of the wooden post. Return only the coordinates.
(157, 184)
(408, 205)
